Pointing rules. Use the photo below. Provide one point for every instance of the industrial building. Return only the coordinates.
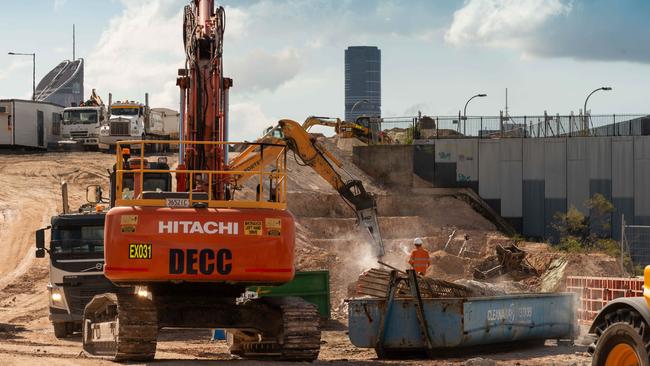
(362, 82)
(63, 85)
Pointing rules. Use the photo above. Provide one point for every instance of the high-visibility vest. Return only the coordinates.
(419, 260)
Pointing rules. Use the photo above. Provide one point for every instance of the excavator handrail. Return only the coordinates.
(173, 142)
(202, 193)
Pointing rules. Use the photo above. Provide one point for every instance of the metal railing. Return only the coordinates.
(403, 130)
(204, 183)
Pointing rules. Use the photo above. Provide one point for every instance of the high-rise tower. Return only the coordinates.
(362, 82)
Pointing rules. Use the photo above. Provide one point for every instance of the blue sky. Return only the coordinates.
(286, 56)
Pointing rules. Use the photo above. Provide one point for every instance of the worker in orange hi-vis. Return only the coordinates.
(419, 259)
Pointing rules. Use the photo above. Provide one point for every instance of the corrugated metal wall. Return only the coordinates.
(622, 181)
(528, 181)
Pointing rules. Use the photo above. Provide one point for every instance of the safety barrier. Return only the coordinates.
(595, 292)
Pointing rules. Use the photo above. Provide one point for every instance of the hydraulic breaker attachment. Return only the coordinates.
(365, 206)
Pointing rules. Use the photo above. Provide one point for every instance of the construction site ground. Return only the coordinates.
(327, 238)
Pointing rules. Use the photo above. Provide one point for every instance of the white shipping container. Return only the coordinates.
(170, 121)
(26, 123)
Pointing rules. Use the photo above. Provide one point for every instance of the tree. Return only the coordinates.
(578, 232)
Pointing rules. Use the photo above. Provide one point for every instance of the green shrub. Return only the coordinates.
(571, 244)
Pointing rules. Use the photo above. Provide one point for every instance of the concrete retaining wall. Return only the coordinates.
(528, 181)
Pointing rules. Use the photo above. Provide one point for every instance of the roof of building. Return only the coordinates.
(58, 77)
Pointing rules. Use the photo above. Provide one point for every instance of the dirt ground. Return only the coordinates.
(326, 239)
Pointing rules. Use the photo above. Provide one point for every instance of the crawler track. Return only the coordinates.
(300, 338)
(120, 327)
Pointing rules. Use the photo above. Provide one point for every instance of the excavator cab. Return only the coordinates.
(156, 178)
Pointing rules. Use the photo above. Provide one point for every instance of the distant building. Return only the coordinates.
(362, 82)
(64, 85)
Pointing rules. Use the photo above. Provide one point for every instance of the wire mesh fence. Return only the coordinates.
(635, 242)
(401, 130)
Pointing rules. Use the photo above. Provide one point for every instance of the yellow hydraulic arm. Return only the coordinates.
(318, 158)
(344, 128)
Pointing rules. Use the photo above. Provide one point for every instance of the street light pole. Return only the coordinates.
(585, 125)
(465, 111)
(33, 69)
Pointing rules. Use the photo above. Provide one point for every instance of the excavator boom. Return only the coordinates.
(318, 158)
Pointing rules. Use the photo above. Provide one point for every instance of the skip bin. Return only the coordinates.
(313, 286)
(461, 322)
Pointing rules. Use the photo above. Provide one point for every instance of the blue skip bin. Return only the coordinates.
(395, 325)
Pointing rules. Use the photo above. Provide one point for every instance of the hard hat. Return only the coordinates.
(417, 241)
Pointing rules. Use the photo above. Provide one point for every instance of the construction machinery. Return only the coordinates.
(183, 258)
(622, 330)
(365, 129)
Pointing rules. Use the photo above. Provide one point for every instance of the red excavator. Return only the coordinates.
(183, 258)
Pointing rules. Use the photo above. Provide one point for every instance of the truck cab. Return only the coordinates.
(80, 125)
(131, 120)
(76, 253)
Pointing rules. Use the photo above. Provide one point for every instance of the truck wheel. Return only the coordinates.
(60, 330)
(622, 342)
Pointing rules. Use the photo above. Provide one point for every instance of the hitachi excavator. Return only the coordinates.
(184, 258)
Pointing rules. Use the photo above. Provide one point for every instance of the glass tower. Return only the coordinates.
(362, 82)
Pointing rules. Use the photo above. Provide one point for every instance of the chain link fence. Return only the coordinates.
(635, 242)
(403, 130)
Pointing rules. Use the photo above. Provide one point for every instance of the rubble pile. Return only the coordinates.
(327, 238)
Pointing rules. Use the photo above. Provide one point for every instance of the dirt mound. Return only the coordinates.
(448, 267)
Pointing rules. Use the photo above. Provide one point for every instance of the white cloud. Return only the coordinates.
(139, 52)
(237, 22)
(501, 22)
(261, 70)
(58, 4)
(247, 121)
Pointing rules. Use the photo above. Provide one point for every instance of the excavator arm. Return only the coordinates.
(313, 154)
(342, 128)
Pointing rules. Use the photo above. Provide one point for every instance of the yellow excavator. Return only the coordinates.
(360, 129)
(267, 149)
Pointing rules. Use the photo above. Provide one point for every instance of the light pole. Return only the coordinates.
(585, 126)
(33, 70)
(465, 111)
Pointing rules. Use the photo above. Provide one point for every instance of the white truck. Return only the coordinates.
(131, 120)
(80, 125)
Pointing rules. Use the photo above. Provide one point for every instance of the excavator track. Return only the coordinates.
(120, 327)
(300, 338)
